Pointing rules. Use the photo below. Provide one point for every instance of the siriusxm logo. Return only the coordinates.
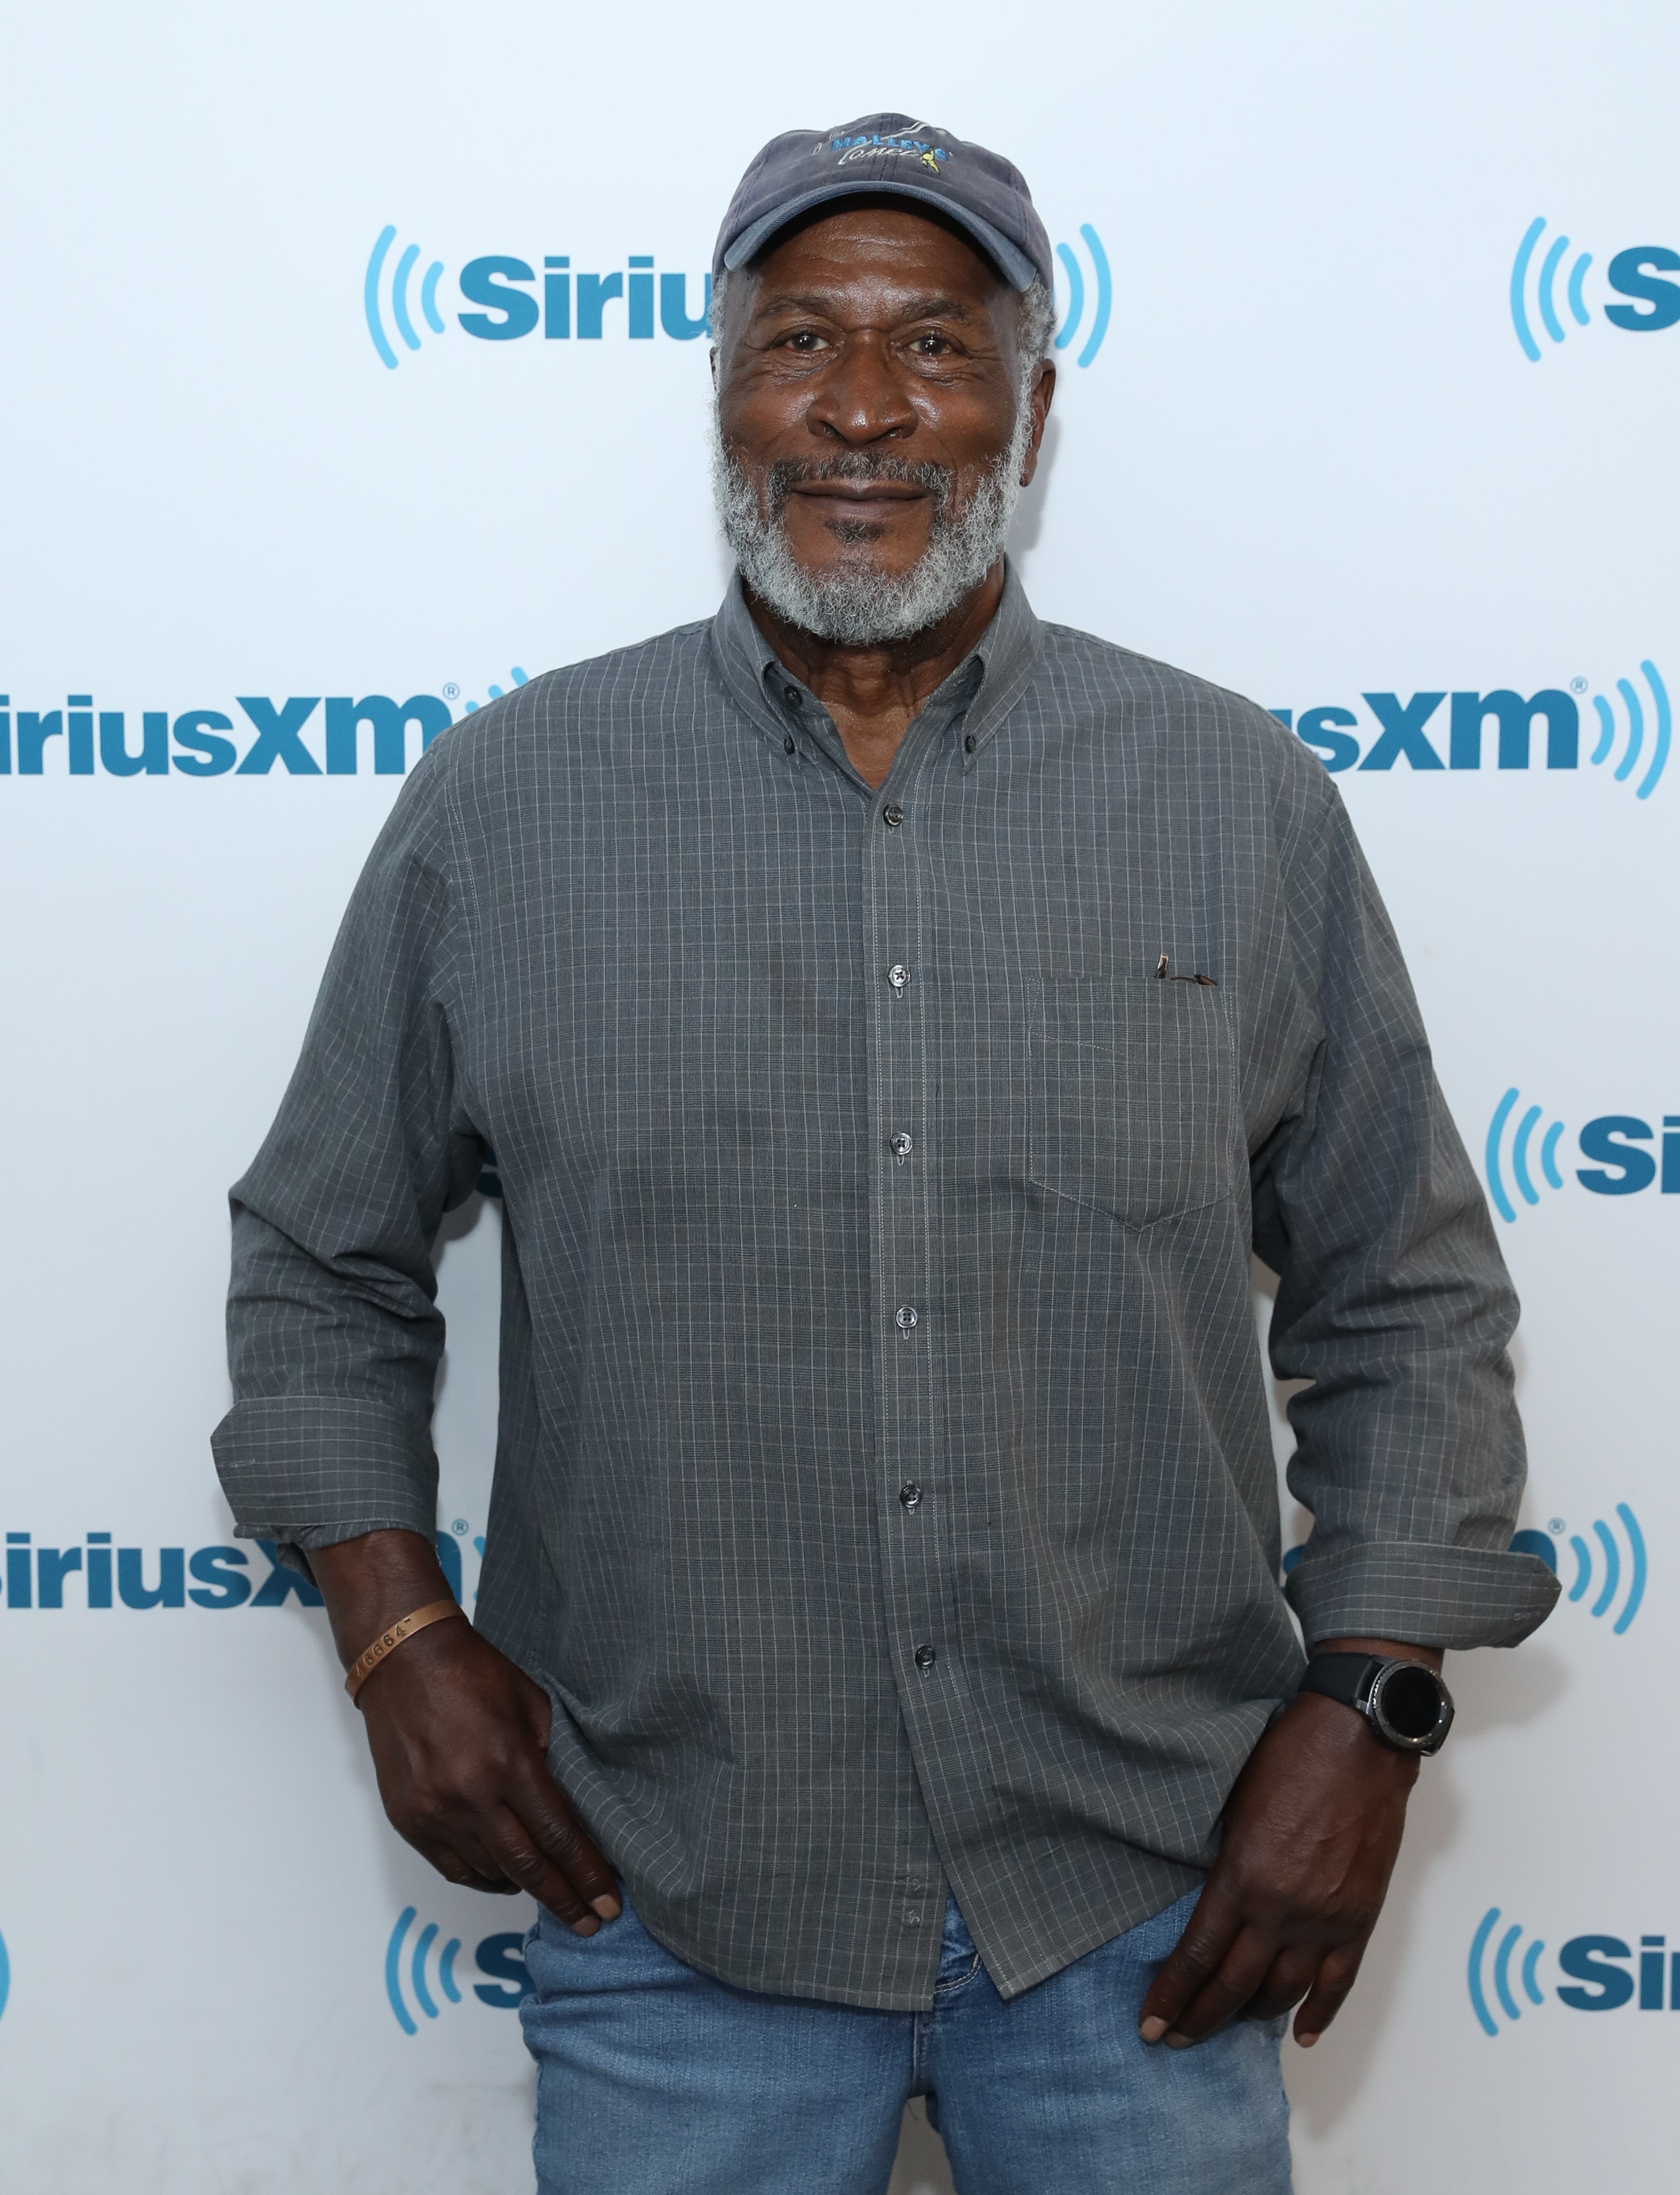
(1636, 273)
(99, 1575)
(504, 290)
(305, 736)
(1601, 1563)
(501, 1958)
(1613, 1142)
(1599, 1970)
(638, 302)
(1409, 731)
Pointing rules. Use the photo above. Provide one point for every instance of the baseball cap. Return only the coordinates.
(895, 155)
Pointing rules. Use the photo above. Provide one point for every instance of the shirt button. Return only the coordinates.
(969, 743)
(925, 1658)
(906, 1315)
(901, 1144)
(911, 1495)
(792, 697)
(913, 1920)
(788, 743)
(893, 815)
(898, 976)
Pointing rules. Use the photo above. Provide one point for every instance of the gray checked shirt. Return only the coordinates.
(884, 1489)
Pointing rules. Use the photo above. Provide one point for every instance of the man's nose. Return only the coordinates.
(862, 397)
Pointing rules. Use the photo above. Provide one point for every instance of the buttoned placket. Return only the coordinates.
(915, 1526)
(912, 1477)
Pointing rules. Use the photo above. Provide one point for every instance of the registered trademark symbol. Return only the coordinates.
(1556, 1525)
(460, 1525)
(1576, 686)
(452, 691)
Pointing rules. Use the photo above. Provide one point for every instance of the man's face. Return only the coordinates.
(868, 375)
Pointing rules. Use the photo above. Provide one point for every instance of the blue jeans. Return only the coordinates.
(655, 2079)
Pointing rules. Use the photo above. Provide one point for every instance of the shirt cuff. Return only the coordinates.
(308, 1471)
(1423, 1594)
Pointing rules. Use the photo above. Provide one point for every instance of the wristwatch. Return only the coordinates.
(1405, 1702)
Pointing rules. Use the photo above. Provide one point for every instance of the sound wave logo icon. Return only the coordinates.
(1605, 1563)
(1076, 295)
(1504, 1994)
(417, 1970)
(398, 296)
(1544, 297)
(495, 693)
(1520, 1155)
(1632, 704)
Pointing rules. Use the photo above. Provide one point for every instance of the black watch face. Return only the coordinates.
(1411, 1701)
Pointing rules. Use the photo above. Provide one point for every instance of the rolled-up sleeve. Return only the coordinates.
(1393, 1301)
(333, 1332)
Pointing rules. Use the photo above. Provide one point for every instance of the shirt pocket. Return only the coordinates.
(1136, 1096)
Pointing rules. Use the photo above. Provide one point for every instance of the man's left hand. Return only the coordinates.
(1312, 1829)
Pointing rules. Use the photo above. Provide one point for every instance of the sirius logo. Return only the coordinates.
(1408, 731)
(98, 1575)
(1598, 1969)
(1605, 1565)
(1076, 295)
(1611, 1140)
(501, 1958)
(512, 300)
(1636, 273)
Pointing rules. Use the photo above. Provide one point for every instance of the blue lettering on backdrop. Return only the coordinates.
(488, 281)
(1515, 717)
(1630, 273)
(1403, 731)
(389, 724)
(277, 738)
(113, 747)
(1589, 1958)
(1606, 1140)
(504, 1957)
(206, 755)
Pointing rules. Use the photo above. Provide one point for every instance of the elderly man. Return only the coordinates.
(896, 1021)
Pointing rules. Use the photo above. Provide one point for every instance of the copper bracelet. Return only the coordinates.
(387, 1641)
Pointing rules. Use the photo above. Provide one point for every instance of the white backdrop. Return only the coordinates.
(1311, 456)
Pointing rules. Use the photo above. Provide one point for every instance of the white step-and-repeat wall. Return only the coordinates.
(355, 351)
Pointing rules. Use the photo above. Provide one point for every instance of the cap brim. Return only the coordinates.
(1018, 270)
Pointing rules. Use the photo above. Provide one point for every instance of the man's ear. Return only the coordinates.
(1039, 396)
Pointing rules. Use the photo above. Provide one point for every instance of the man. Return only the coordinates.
(895, 1022)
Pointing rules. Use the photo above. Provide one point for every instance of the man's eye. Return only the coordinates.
(806, 341)
(931, 346)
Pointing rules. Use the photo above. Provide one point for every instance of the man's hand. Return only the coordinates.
(459, 1737)
(1311, 1832)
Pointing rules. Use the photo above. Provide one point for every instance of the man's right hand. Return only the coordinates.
(459, 1737)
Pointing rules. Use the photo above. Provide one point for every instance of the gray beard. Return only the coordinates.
(856, 605)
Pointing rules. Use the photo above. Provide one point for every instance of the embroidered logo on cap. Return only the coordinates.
(922, 150)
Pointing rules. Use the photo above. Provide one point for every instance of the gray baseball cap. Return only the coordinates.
(888, 153)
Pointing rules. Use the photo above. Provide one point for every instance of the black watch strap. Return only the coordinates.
(1405, 1704)
(1340, 1676)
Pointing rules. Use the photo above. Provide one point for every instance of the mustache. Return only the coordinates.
(860, 468)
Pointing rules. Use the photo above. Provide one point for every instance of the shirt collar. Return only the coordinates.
(990, 678)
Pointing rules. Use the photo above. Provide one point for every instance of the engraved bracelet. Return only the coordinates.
(387, 1641)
